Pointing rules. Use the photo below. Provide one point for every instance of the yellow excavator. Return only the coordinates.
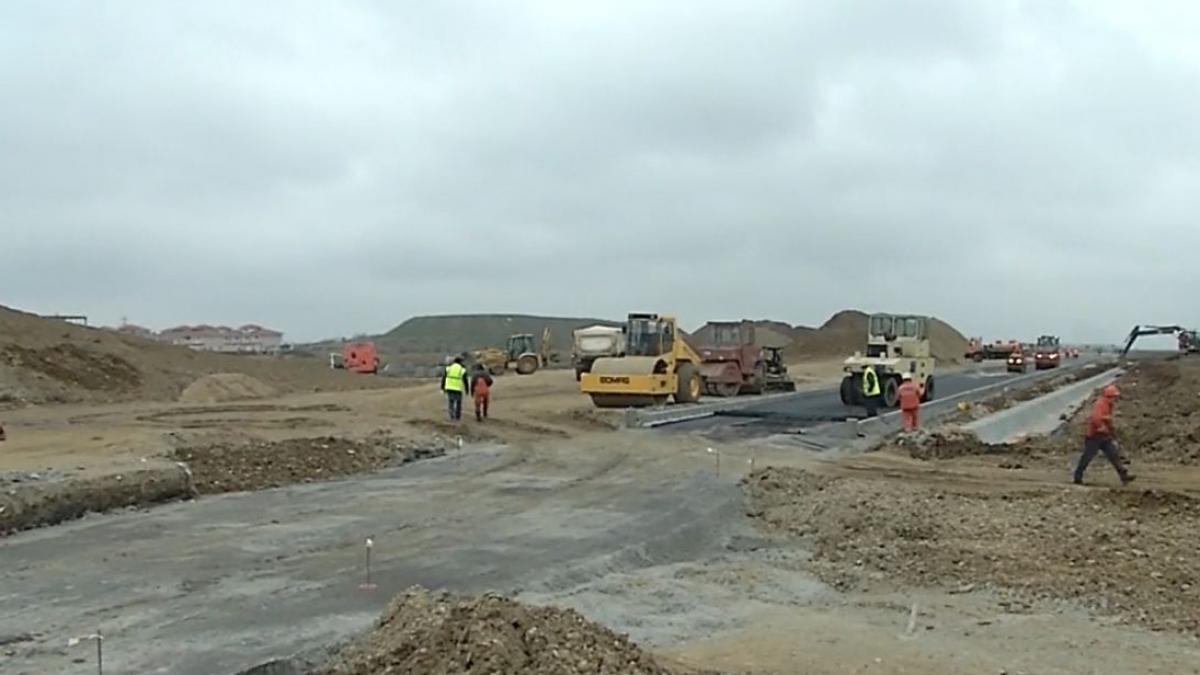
(656, 367)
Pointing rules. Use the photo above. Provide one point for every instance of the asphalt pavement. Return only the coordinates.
(821, 406)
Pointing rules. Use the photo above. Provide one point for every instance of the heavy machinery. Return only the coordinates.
(896, 344)
(1047, 353)
(595, 342)
(1189, 340)
(730, 362)
(520, 353)
(357, 357)
(1018, 362)
(777, 372)
(978, 350)
(657, 366)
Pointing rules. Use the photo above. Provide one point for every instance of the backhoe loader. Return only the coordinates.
(656, 367)
(520, 353)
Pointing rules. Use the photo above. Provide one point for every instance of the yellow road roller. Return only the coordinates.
(656, 367)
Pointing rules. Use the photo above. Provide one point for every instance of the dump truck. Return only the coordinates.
(657, 366)
(1047, 353)
(593, 342)
(978, 350)
(896, 344)
(731, 363)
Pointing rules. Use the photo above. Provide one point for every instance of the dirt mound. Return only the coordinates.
(32, 500)
(845, 333)
(841, 335)
(257, 464)
(941, 443)
(1130, 553)
(224, 387)
(1158, 415)
(945, 342)
(422, 633)
(74, 365)
(49, 361)
(453, 334)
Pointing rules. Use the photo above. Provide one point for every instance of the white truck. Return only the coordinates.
(595, 342)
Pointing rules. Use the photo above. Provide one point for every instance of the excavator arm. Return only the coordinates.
(1140, 331)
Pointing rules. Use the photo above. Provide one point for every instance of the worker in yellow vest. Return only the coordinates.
(454, 383)
(872, 392)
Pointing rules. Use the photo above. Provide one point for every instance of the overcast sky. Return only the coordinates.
(329, 168)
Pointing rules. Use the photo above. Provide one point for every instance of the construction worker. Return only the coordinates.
(910, 402)
(1099, 436)
(871, 390)
(2, 436)
(481, 387)
(454, 383)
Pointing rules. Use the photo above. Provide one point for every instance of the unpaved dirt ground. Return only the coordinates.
(122, 454)
(423, 633)
(963, 516)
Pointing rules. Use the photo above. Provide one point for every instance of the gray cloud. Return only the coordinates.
(1014, 167)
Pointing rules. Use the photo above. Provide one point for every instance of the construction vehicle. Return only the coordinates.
(595, 342)
(1047, 353)
(978, 350)
(357, 357)
(1189, 340)
(520, 353)
(777, 372)
(1017, 361)
(896, 344)
(731, 363)
(656, 367)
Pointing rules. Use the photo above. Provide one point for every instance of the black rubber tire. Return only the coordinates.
(847, 391)
(929, 392)
(891, 392)
(688, 373)
(726, 389)
(527, 364)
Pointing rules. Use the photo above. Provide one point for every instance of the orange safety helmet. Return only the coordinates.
(1110, 391)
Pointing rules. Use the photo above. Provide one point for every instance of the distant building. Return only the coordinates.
(137, 331)
(248, 339)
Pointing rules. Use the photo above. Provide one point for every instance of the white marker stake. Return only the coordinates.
(717, 454)
(751, 463)
(99, 638)
(368, 585)
(460, 444)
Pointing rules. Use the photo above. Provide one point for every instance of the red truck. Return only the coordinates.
(1047, 353)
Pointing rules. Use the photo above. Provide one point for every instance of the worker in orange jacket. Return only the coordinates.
(1099, 436)
(481, 388)
(910, 402)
